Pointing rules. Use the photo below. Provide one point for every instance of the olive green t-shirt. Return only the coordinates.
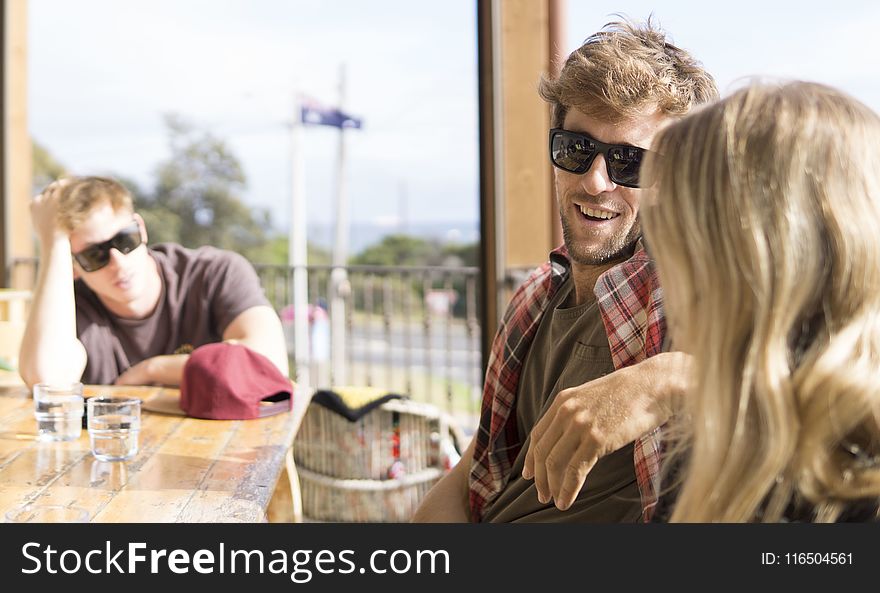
(570, 348)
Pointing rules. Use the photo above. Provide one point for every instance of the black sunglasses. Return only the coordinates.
(95, 257)
(575, 153)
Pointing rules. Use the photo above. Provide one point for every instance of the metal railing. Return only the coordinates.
(409, 330)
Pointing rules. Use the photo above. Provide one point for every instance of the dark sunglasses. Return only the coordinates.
(575, 153)
(95, 257)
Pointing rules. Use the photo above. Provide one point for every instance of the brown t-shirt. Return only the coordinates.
(203, 291)
(570, 348)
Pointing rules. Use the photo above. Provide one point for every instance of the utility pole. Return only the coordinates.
(297, 251)
(340, 288)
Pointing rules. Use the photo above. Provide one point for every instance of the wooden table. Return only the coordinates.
(187, 470)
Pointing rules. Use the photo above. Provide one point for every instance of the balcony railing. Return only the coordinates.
(410, 330)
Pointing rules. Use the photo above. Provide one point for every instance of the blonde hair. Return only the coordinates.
(766, 229)
(626, 71)
(82, 194)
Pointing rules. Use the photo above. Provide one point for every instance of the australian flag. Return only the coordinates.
(319, 115)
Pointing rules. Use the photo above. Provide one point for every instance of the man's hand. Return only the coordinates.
(166, 369)
(44, 212)
(589, 421)
(138, 374)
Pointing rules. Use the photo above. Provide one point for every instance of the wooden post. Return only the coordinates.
(517, 206)
(17, 235)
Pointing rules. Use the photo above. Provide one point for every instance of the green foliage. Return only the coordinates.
(406, 250)
(462, 254)
(318, 256)
(400, 250)
(163, 225)
(197, 199)
(45, 168)
(274, 251)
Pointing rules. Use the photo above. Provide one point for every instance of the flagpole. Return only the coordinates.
(297, 254)
(339, 276)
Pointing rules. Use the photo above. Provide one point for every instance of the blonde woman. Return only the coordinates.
(766, 231)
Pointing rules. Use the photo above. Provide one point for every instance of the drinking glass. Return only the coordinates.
(114, 425)
(58, 408)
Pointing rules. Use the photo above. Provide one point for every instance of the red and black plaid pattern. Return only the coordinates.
(630, 302)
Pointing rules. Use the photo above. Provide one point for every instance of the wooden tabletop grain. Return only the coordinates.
(187, 470)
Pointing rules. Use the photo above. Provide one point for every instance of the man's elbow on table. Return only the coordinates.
(61, 366)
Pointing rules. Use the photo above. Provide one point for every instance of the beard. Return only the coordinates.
(615, 247)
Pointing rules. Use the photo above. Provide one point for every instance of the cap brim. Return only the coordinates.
(166, 401)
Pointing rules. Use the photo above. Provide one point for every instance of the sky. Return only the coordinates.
(103, 73)
(836, 43)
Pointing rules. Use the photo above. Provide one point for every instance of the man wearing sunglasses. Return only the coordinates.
(108, 309)
(577, 382)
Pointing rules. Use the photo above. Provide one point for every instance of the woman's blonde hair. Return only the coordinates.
(766, 230)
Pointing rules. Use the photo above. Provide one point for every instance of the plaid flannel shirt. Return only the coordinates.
(631, 305)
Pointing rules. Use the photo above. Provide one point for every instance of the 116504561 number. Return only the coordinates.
(807, 558)
(818, 558)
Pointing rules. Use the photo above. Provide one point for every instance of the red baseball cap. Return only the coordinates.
(224, 381)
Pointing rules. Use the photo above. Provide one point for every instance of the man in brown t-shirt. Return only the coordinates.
(124, 313)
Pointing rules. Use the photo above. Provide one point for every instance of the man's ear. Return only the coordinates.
(142, 226)
(76, 273)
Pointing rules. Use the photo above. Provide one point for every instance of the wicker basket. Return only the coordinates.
(376, 469)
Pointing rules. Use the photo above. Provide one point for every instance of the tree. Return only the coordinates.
(406, 250)
(274, 251)
(198, 194)
(466, 254)
(45, 168)
(196, 200)
(400, 250)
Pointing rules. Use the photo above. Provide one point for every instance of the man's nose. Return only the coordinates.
(116, 258)
(596, 180)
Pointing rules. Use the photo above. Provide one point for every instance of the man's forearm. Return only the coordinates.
(159, 370)
(447, 501)
(269, 348)
(259, 329)
(665, 377)
(50, 350)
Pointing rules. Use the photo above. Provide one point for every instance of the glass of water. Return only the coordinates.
(114, 425)
(58, 409)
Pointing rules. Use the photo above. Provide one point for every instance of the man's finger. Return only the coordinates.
(540, 476)
(536, 435)
(559, 461)
(540, 450)
(573, 481)
(529, 463)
